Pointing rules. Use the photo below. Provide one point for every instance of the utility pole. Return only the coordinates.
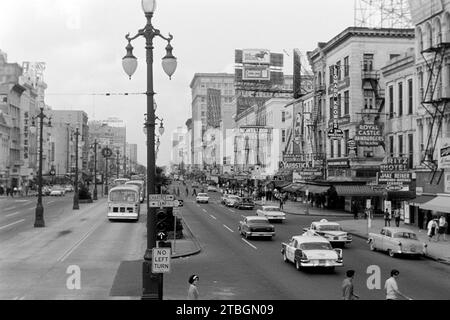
(76, 194)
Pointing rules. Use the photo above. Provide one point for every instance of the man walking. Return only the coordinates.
(347, 286)
(391, 287)
(387, 218)
(397, 217)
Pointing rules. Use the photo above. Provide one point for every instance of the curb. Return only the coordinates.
(314, 214)
(425, 256)
(194, 239)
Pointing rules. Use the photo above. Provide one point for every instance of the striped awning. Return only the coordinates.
(421, 199)
(356, 191)
(440, 204)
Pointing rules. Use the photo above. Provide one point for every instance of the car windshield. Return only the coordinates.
(329, 227)
(272, 209)
(405, 235)
(258, 221)
(135, 184)
(234, 197)
(315, 246)
(202, 194)
(247, 200)
(123, 196)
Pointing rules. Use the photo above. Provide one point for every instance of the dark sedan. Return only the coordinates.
(245, 203)
(254, 226)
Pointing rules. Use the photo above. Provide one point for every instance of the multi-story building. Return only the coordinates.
(64, 125)
(347, 68)
(432, 23)
(201, 107)
(5, 131)
(108, 135)
(131, 157)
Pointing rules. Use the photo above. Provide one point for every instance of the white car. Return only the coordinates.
(212, 189)
(271, 213)
(332, 231)
(311, 250)
(57, 192)
(202, 197)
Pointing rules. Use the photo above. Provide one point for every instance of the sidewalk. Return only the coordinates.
(439, 251)
(187, 246)
(298, 208)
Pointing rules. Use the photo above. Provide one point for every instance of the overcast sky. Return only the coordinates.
(83, 42)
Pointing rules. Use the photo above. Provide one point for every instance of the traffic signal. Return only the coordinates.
(161, 221)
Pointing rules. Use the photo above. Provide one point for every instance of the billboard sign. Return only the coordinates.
(256, 56)
(444, 154)
(253, 73)
(368, 135)
(213, 107)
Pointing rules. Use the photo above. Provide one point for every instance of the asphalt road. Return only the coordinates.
(231, 267)
(39, 263)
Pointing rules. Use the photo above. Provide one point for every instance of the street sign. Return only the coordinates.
(52, 172)
(158, 197)
(335, 134)
(162, 203)
(107, 152)
(161, 260)
(176, 211)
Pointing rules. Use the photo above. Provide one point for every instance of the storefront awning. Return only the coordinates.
(356, 191)
(294, 187)
(421, 200)
(440, 203)
(316, 189)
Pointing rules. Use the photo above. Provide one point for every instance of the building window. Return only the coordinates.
(391, 102)
(346, 67)
(332, 148)
(346, 102)
(283, 116)
(400, 99)
(411, 150)
(338, 70)
(331, 74)
(368, 99)
(410, 96)
(391, 146)
(339, 105)
(368, 62)
(400, 145)
(339, 148)
(346, 137)
(283, 135)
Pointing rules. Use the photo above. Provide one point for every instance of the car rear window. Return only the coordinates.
(202, 194)
(258, 221)
(315, 246)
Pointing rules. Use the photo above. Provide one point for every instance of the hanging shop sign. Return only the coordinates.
(368, 135)
(338, 163)
(444, 153)
(307, 174)
(351, 145)
(394, 174)
(334, 133)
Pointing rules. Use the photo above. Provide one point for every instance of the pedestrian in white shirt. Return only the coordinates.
(193, 291)
(431, 226)
(391, 287)
(441, 228)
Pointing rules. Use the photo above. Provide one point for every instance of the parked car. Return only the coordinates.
(232, 200)
(311, 250)
(194, 185)
(245, 203)
(57, 191)
(254, 226)
(46, 190)
(397, 241)
(271, 213)
(224, 198)
(332, 231)
(68, 188)
(202, 198)
(211, 188)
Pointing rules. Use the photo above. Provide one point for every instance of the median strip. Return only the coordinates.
(11, 224)
(249, 244)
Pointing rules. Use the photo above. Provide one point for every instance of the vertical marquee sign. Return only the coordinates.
(335, 133)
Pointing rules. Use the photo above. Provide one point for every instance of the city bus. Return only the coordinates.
(119, 181)
(124, 203)
(141, 185)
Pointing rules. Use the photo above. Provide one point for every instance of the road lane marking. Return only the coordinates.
(231, 210)
(228, 228)
(213, 217)
(12, 214)
(76, 245)
(11, 224)
(50, 202)
(249, 244)
(204, 210)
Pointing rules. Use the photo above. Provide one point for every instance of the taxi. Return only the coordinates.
(332, 231)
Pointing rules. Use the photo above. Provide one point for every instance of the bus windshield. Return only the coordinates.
(123, 196)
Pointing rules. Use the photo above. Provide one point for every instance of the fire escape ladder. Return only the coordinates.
(431, 103)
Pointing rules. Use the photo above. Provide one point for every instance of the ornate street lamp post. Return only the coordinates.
(152, 283)
(76, 193)
(39, 214)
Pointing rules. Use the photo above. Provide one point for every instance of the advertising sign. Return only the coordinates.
(26, 135)
(335, 133)
(256, 56)
(213, 107)
(251, 73)
(368, 135)
(447, 182)
(444, 154)
(307, 174)
(394, 173)
(293, 158)
(338, 163)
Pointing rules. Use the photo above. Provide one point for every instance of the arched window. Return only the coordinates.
(429, 36)
(437, 31)
(447, 27)
(419, 36)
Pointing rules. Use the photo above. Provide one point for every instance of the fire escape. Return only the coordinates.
(435, 101)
